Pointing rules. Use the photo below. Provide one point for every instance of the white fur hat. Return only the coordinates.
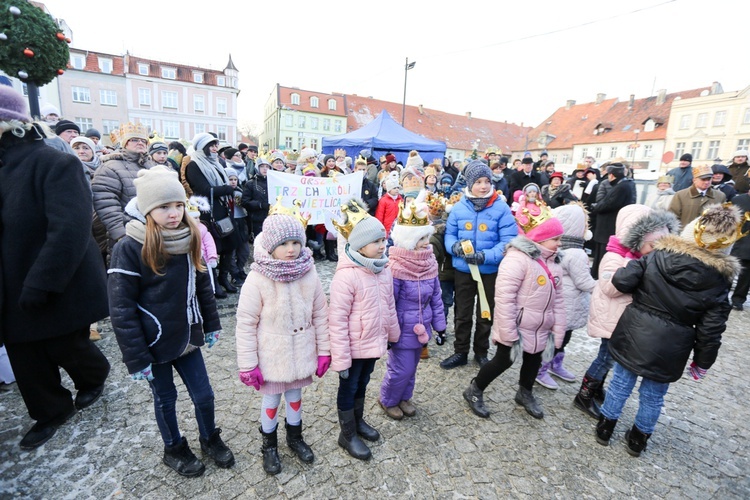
(305, 154)
(406, 235)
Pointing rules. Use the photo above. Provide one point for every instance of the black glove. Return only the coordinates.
(344, 374)
(457, 250)
(32, 298)
(440, 337)
(254, 205)
(390, 344)
(475, 258)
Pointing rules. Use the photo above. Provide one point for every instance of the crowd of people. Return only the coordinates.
(150, 234)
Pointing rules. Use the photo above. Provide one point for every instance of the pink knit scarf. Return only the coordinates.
(280, 270)
(614, 245)
(412, 264)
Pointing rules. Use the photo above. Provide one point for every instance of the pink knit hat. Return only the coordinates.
(551, 228)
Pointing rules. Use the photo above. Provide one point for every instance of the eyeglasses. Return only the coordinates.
(136, 139)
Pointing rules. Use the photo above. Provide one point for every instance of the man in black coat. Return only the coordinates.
(53, 281)
(526, 175)
(741, 250)
(618, 195)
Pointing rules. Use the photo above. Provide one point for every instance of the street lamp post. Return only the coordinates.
(407, 67)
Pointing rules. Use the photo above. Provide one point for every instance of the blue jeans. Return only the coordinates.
(601, 366)
(650, 400)
(448, 290)
(355, 386)
(193, 373)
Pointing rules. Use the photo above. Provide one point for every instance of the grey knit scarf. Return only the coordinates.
(374, 265)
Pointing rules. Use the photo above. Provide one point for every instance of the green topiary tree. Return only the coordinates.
(32, 47)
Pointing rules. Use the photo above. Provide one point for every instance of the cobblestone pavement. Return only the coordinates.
(700, 449)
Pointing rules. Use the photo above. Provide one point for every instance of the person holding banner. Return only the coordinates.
(480, 222)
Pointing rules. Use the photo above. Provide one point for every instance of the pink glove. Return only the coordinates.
(253, 378)
(696, 371)
(421, 332)
(324, 362)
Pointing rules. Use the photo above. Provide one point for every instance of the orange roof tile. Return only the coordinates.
(285, 101)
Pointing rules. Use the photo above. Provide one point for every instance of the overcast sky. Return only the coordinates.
(514, 62)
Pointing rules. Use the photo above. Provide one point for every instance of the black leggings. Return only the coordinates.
(568, 334)
(501, 362)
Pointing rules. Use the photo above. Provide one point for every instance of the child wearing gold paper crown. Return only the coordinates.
(419, 306)
(529, 310)
(282, 330)
(361, 319)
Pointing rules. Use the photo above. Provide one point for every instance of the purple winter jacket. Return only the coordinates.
(409, 294)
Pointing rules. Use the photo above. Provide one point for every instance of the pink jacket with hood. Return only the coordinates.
(633, 223)
(527, 302)
(362, 313)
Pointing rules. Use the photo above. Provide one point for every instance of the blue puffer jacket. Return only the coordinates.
(489, 230)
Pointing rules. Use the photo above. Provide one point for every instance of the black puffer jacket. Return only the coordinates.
(680, 306)
(156, 317)
(562, 196)
(370, 195)
(741, 249)
(255, 200)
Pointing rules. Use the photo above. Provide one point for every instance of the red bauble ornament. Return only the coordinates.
(28, 52)
(60, 36)
(68, 40)
(60, 72)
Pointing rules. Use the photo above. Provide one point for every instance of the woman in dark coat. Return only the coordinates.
(680, 307)
(617, 195)
(207, 178)
(53, 281)
(255, 197)
(741, 250)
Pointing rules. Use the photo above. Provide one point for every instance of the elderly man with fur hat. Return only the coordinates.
(53, 281)
(739, 171)
(113, 182)
(689, 203)
(680, 309)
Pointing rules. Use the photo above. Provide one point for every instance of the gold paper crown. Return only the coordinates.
(665, 178)
(724, 241)
(413, 219)
(361, 160)
(354, 213)
(339, 152)
(278, 209)
(527, 221)
(132, 131)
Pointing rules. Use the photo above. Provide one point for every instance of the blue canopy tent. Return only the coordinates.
(383, 135)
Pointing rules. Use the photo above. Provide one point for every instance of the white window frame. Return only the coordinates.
(144, 96)
(171, 129)
(288, 142)
(613, 152)
(337, 126)
(199, 103)
(200, 128)
(332, 104)
(679, 149)
(314, 123)
(314, 103)
(713, 149)
(198, 76)
(148, 123)
(108, 97)
(221, 106)
(598, 152)
(695, 149)
(326, 124)
(684, 122)
(77, 61)
(84, 123)
(746, 117)
(81, 94)
(701, 120)
(743, 144)
(169, 73)
(143, 69)
(720, 119)
(109, 126)
(169, 99)
(221, 81)
(314, 143)
(288, 121)
(105, 63)
(648, 150)
(301, 121)
(295, 98)
(221, 131)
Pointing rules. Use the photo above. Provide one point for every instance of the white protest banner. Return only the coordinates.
(317, 195)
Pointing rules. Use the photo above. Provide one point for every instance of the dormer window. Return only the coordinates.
(314, 102)
(332, 104)
(169, 73)
(143, 69)
(295, 99)
(78, 61)
(197, 77)
(220, 81)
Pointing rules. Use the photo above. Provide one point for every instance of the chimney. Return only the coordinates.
(600, 98)
(661, 96)
(716, 88)
(468, 115)
(421, 111)
(569, 103)
(631, 103)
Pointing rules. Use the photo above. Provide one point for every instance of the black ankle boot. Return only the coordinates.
(226, 283)
(525, 398)
(363, 428)
(180, 458)
(348, 438)
(270, 449)
(215, 448)
(330, 247)
(219, 292)
(604, 430)
(297, 444)
(584, 400)
(475, 397)
(599, 393)
(637, 441)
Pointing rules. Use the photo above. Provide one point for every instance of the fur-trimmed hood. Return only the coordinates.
(533, 250)
(132, 210)
(653, 221)
(726, 265)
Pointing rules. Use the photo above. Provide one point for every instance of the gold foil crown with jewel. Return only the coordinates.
(729, 226)
(354, 214)
(339, 152)
(528, 221)
(412, 218)
(278, 209)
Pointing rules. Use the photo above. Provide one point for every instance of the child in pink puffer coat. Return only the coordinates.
(361, 320)
(529, 311)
